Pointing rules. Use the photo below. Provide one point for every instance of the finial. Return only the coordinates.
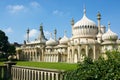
(108, 25)
(41, 26)
(98, 16)
(55, 31)
(28, 30)
(72, 22)
(84, 10)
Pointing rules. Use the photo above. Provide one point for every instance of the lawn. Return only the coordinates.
(49, 65)
(1, 63)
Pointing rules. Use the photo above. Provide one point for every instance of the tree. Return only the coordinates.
(4, 44)
(102, 69)
(11, 50)
(5, 48)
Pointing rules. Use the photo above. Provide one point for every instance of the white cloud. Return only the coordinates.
(57, 12)
(35, 4)
(8, 30)
(47, 34)
(33, 33)
(15, 8)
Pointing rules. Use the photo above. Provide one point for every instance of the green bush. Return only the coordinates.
(105, 68)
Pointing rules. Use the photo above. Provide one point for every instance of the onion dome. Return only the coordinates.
(85, 27)
(64, 40)
(51, 42)
(85, 21)
(109, 35)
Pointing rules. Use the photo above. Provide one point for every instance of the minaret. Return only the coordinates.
(99, 35)
(28, 34)
(55, 32)
(72, 24)
(99, 18)
(41, 33)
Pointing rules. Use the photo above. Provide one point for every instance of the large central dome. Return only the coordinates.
(85, 28)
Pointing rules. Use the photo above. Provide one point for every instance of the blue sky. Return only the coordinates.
(16, 16)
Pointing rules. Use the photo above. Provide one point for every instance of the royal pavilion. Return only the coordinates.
(88, 40)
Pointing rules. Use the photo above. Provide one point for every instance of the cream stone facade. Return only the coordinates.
(87, 40)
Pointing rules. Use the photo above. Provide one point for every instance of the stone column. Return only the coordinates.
(72, 55)
(78, 53)
(94, 53)
(86, 50)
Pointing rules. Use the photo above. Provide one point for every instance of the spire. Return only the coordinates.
(108, 25)
(72, 22)
(55, 32)
(28, 34)
(41, 32)
(28, 30)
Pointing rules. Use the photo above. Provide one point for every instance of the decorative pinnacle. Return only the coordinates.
(41, 26)
(72, 22)
(108, 25)
(28, 30)
(55, 31)
(98, 15)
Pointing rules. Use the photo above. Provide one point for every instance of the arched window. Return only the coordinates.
(75, 56)
(90, 53)
(82, 54)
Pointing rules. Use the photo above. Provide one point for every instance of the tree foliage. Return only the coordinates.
(6, 48)
(105, 68)
(4, 44)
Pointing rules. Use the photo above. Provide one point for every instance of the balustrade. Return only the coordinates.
(28, 73)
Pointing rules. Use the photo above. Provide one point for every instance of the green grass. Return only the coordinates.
(1, 63)
(49, 65)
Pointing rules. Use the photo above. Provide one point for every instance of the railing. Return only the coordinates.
(28, 73)
(3, 71)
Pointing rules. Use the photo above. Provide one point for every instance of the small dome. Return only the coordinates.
(64, 40)
(51, 42)
(109, 35)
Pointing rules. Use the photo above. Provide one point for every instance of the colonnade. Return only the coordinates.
(32, 54)
(51, 57)
(78, 53)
